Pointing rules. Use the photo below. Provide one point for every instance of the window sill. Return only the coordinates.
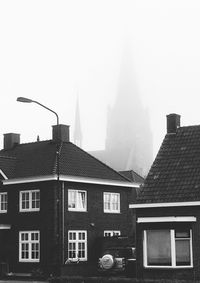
(30, 210)
(112, 212)
(76, 210)
(168, 267)
(74, 262)
(28, 261)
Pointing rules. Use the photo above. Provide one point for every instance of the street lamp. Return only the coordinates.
(27, 100)
(59, 194)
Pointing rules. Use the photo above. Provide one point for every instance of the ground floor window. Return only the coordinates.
(110, 233)
(77, 245)
(29, 246)
(168, 248)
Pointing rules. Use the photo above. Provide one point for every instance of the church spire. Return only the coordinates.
(128, 139)
(77, 126)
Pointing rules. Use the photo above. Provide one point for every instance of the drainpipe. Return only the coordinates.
(63, 223)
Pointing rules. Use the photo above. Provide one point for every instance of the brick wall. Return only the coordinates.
(102, 221)
(46, 219)
(42, 220)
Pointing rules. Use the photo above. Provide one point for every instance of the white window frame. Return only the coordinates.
(77, 196)
(3, 202)
(30, 201)
(112, 196)
(111, 233)
(173, 251)
(77, 241)
(30, 243)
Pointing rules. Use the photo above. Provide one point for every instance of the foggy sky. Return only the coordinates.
(52, 50)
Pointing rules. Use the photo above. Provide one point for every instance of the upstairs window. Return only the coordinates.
(168, 248)
(77, 200)
(112, 202)
(29, 201)
(3, 202)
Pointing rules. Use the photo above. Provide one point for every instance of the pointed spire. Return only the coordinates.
(77, 125)
(128, 137)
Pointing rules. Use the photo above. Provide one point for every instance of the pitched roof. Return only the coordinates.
(7, 165)
(175, 173)
(132, 176)
(39, 159)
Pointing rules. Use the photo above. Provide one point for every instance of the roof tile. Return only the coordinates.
(175, 173)
(39, 159)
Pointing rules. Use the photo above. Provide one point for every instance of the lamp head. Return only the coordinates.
(24, 99)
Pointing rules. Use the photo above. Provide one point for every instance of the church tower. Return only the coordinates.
(128, 139)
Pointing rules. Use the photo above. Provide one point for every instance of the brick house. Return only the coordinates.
(55, 201)
(168, 208)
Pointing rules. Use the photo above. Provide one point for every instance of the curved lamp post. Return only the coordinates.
(27, 100)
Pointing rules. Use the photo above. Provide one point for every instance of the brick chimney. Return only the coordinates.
(60, 133)
(173, 123)
(10, 140)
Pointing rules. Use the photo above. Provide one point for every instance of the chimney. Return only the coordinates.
(173, 123)
(60, 133)
(10, 140)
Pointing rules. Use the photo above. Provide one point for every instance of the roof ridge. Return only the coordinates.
(189, 126)
(37, 142)
(134, 172)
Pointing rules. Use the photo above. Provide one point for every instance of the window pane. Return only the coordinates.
(158, 247)
(81, 200)
(81, 236)
(71, 199)
(107, 201)
(183, 252)
(182, 234)
(35, 199)
(114, 203)
(25, 200)
(3, 202)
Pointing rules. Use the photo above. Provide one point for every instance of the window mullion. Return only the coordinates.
(145, 248)
(76, 243)
(30, 200)
(191, 250)
(29, 246)
(173, 248)
(76, 199)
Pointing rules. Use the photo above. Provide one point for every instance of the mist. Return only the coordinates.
(54, 52)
